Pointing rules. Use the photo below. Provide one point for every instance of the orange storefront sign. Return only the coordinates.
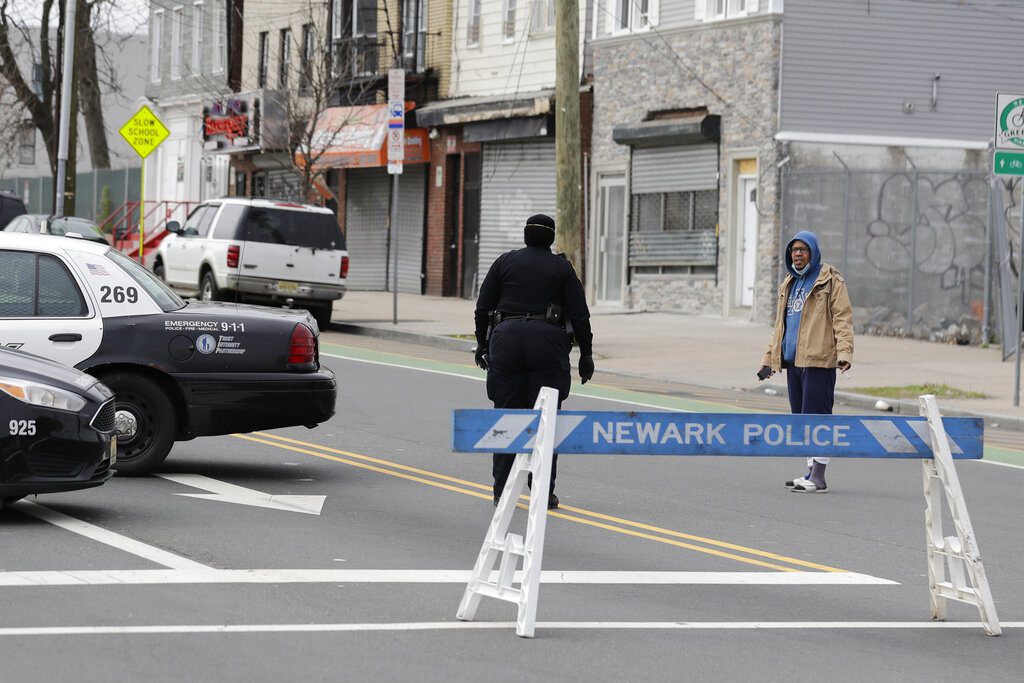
(356, 137)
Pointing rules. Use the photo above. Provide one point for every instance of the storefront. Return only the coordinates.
(353, 140)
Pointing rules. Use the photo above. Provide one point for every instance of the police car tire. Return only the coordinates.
(155, 419)
(208, 289)
(4, 502)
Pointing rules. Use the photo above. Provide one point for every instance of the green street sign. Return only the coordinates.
(1009, 163)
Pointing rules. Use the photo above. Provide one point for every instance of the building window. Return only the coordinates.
(354, 37)
(156, 36)
(176, 53)
(306, 58)
(633, 15)
(284, 63)
(261, 63)
(414, 21)
(508, 21)
(542, 16)
(686, 224)
(716, 10)
(27, 144)
(220, 32)
(197, 37)
(473, 24)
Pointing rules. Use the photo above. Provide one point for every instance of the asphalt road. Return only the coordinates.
(142, 580)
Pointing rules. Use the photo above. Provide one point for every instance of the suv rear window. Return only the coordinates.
(294, 228)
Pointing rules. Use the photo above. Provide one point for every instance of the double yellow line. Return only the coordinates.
(709, 546)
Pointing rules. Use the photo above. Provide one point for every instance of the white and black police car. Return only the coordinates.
(178, 369)
(56, 428)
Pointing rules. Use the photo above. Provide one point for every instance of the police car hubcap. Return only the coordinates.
(126, 425)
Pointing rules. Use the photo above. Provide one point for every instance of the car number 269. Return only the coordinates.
(118, 295)
(23, 427)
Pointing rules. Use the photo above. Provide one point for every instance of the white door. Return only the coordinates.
(746, 266)
(43, 309)
(610, 240)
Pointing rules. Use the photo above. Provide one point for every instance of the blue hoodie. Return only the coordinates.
(798, 291)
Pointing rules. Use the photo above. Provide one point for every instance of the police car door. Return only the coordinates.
(44, 309)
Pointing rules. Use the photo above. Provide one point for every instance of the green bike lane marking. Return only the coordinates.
(599, 391)
(1006, 456)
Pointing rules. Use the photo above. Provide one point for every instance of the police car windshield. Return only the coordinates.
(163, 295)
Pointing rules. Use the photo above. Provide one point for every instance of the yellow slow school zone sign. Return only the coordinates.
(144, 132)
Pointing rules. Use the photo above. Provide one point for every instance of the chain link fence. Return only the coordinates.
(913, 246)
(97, 193)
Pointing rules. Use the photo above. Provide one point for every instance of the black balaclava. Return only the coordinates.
(539, 231)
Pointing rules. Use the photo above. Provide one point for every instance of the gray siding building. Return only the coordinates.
(867, 122)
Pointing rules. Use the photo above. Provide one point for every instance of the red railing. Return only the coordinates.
(123, 225)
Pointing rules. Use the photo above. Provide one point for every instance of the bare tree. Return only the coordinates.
(31, 66)
(319, 77)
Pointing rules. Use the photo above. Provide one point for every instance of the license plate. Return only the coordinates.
(287, 287)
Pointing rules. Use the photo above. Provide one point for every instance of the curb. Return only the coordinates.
(435, 340)
(905, 406)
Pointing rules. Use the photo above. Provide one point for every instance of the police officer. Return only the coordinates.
(525, 299)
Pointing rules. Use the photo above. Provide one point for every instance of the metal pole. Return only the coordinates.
(394, 242)
(1020, 305)
(913, 259)
(985, 306)
(70, 7)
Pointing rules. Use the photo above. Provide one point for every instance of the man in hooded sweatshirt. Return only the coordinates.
(528, 348)
(813, 335)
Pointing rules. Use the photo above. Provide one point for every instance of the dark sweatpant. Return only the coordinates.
(811, 391)
(525, 355)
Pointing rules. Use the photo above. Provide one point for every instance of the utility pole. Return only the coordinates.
(567, 127)
(67, 83)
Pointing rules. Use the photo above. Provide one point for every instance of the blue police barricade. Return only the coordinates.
(536, 434)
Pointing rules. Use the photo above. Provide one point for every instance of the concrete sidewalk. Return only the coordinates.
(712, 351)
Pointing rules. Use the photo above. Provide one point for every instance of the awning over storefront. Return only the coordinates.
(356, 137)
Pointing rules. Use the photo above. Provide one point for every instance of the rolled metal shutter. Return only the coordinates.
(518, 180)
(367, 213)
(679, 168)
(283, 184)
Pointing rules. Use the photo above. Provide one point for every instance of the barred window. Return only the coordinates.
(674, 232)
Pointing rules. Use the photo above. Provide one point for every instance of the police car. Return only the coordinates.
(56, 428)
(178, 369)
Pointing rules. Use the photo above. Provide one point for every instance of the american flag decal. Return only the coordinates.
(96, 269)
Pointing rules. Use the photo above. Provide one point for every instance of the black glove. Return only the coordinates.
(764, 373)
(586, 368)
(481, 357)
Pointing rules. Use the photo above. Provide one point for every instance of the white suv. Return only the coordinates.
(257, 251)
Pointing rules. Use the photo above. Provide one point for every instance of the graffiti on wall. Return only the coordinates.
(944, 235)
(912, 245)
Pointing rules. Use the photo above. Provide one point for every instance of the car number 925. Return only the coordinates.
(118, 295)
(23, 427)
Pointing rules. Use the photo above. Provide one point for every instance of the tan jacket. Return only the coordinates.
(826, 324)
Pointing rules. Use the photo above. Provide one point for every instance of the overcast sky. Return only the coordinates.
(128, 15)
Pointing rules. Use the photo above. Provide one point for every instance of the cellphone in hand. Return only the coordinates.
(764, 373)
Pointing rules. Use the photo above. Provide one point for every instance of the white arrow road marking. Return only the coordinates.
(449, 576)
(229, 493)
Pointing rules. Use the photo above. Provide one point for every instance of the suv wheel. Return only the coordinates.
(158, 270)
(208, 289)
(145, 423)
(322, 314)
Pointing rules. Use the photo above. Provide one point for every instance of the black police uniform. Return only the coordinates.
(525, 352)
